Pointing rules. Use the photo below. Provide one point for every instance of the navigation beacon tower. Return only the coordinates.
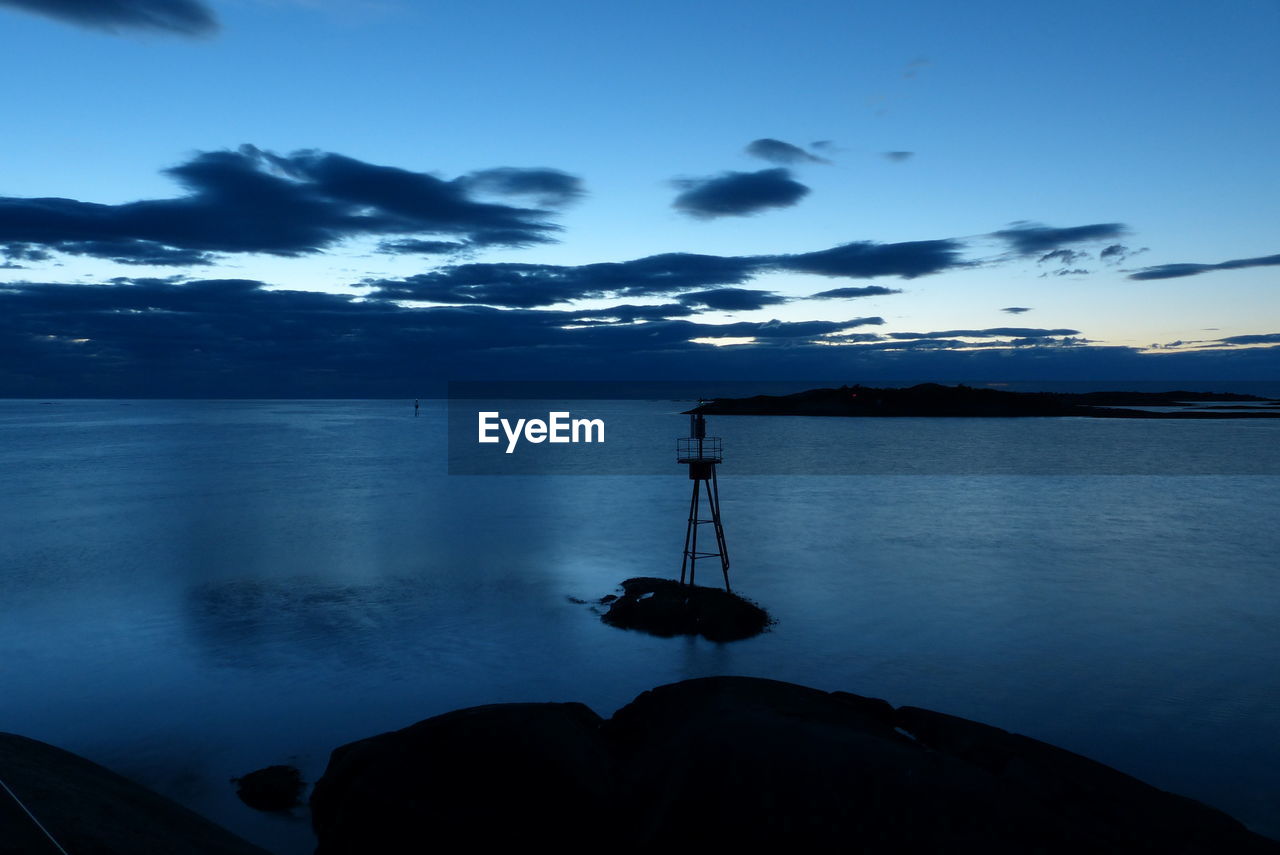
(701, 453)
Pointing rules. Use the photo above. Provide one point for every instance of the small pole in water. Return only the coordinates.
(415, 409)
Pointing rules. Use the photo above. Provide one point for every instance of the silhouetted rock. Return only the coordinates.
(91, 810)
(480, 779)
(274, 788)
(665, 607)
(744, 764)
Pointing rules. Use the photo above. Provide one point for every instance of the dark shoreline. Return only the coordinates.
(931, 400)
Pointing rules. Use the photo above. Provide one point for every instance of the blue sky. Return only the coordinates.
(1154, 124)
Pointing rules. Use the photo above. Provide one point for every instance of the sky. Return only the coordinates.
(262, 198)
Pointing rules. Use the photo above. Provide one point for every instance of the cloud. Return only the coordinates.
(738, 194)
(1233, 341)
(1064, 256)
(898, 156)
(517, 285)
(1117, 253)
(1033, 238)
(732, 299)
(1265, 338)
(530, 285)
(1015, 310)
(242, 338)
(777, 151)
(994, 332)
(849, 293)
(136, 252)
(177, 17)
(865, 259)
(257, 201)
(952, 345)
(628, 313)
(413, 246)
(1174, 271)
(23, 252)
(239, 335)
(549, 188)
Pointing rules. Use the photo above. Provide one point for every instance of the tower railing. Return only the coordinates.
(692, 449)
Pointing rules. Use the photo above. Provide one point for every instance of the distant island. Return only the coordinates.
(934, 400)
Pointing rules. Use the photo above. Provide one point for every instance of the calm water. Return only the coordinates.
(196, 589)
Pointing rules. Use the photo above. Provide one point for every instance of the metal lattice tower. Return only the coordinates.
(701, 453)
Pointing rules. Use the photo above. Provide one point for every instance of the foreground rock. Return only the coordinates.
(93, 811)
(743, 764)
(665, 607)
(507, 774)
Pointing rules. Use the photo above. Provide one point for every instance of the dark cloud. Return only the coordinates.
(777, 151)
(798, 329)
(530, 285)
(179, 17)
(549, 188)
(1228, 342)
(239, 338)
(1117, 253)
(898, 156)
(732, 299)
(738, 194)
(994, 332)
(163, 334)
(824, 145)
(1063, 256)
(517, 285)
(412, 246)
(256, 201)
(1015, 310)
(1174, 271)
(847, 337)
(628, 313)
(952, 345)
(136, 252)
(23, 252)
(865, 259)
(1035, 239)
(1265, 338)
(849, 293)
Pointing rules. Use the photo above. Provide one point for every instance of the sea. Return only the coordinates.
(194, 589)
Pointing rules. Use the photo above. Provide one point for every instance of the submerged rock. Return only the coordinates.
(665, 607)
(274, 788)
(744, 764)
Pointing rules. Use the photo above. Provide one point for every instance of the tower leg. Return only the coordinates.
(713, 499)
(693, 526)
(689, 532)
